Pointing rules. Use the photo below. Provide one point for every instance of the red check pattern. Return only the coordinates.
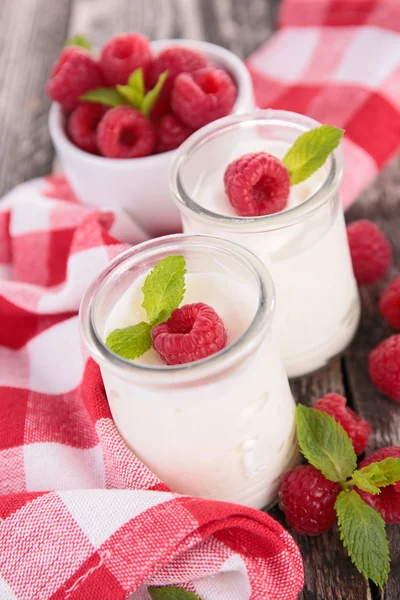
(338, 61)
(81, 516)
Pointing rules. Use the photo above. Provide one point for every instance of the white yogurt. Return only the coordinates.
(318, 305)
(229, 436)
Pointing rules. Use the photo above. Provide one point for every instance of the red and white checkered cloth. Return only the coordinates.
(112, 528)
(338, 61)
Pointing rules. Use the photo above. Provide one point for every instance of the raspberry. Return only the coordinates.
(388, 501)
(122, 55)
(175, 60)
(257, 184)
(124, 132)
(384, 367)
(370, 251)
(389, 304)
(74, 73)
(192, 332)
(356, 428)
(170, 133)
(307, 498)
(203, 96)
(82, 126)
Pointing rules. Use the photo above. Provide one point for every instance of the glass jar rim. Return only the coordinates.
(185, 372)
(279, 220)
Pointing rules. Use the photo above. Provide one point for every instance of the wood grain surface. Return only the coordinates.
(32, 32)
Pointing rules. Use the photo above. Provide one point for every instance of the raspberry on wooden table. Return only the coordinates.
(388, 501)
(82, 126)
(202, 96)
(170, 133)
(192, 332)
(370, 251)
(307, 498)
(384, 367)
(122, 55)
(356, 428)
(74, 73)
(124, 132)
(389, 304)
(257, 184)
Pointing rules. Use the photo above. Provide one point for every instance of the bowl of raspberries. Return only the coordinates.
(116, 118)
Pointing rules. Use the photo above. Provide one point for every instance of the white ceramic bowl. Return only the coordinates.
(139, 185)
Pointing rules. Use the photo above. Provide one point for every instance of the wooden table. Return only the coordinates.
(32, 32)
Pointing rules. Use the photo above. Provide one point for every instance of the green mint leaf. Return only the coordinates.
(130, 342)
(363, 533)
(377, 475)
(107, 96)
(136, 82)
(131, 95)
(310, 151)
(325, 444)
(78, 40)
(164, 288)
(151, 97)
(171, 593)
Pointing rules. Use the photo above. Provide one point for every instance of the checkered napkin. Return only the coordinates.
(338, 61)
(111, 528)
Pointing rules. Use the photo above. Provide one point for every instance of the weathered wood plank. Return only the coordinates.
(32, 33)
(381, 204)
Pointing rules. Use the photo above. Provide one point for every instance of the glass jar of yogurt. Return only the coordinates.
(304, 247)
(222, 427)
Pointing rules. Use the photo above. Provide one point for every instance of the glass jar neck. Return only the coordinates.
(143, 257)
(280, 125)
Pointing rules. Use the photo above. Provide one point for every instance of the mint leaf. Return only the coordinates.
(130, 342)
(377, 475)
(310, 151)
(164, 288)
(171, 593)
(151, 97)
(363, 533)
(107, 96)
(136, 82)
(78, 40)
(132, 96)
(325, 444)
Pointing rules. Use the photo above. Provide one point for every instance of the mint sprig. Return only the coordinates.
(163, 291)
(132, 94)
(329, 449)
(325, 444)
(363, 533)
(377, 475)
(171, 593)
(78, 40)
(310, 151)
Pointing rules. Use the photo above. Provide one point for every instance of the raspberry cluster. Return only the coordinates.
(193, 94)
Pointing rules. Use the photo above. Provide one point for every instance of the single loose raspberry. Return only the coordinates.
(175, 60)
(82, 126)
(122, 55)
(202, 96)
(356, 428)
(74, 73)
(370, 251)
(389, 304)
(384, 367)
(170, 133)
(257, 184)
(307, 498)
(192, 332)
(124, 132)
(388, 501)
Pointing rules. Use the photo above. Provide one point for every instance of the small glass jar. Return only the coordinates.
(222, 427)
(304, 247)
